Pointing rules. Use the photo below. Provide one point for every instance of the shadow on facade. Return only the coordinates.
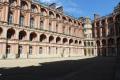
(57, 70)
(107, 32)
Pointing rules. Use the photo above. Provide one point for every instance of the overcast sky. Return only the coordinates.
(84, 8)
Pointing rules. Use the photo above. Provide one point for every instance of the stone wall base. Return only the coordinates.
(11, 56)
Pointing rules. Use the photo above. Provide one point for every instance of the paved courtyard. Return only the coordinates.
(99, 68)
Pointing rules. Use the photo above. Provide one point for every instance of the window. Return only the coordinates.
(40, 50)
(30, 50)
(31, 23)
(56, 27)
(41, 24)
(10, 18)
(21, 21)
(50, 27)
(8, 49)
(20, 50)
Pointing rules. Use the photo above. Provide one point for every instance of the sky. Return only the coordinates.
(86, 8)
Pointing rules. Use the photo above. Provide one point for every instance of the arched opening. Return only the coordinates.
(34, 8)
(70, 41)
(58, 16)
(98, 43)
(70, 20)
(80, 42)
(51, 14)
(33, 35)
(24, 5)
(1, 30)
(43, 38)
(103, 42)
(76, 41)
(51, 39)
(13, 2)
(43, 12)
(58, 39)
(10, 33)
(110, 26)
(111, 42)
(65, 40)
(103, 28)
(22, 35)
(117, 25)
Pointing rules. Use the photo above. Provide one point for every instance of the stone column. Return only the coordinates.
(5, 12)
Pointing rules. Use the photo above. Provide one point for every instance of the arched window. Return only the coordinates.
(24, 5)
(51, 14)
(10, 18)
(33, 8)
(12, 2)
(21, 21)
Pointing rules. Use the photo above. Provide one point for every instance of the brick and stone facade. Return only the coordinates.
(29, 29)
(107, 33)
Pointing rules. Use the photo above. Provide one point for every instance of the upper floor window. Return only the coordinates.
(41, 24)
(32, 22)
(24, 5)
(10, 18)
(50, 27)
(12, 2)
(33, 8)
(56, 27)
(21, 22)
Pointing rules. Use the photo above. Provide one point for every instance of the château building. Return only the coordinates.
(106, 31)
(30, 29)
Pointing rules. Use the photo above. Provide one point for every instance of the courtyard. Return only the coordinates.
(94, 68)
